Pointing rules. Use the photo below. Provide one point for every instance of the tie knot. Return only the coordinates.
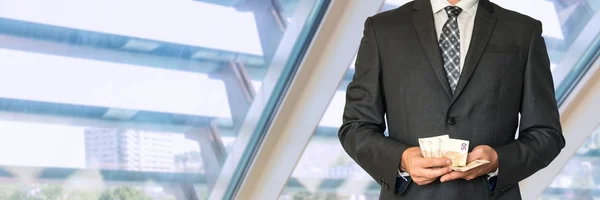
(453, 11)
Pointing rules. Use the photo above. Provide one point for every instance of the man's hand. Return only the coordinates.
(482, 152)
(423, 170)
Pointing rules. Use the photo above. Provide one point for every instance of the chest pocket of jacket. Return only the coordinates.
(499, 61)
(499, 67)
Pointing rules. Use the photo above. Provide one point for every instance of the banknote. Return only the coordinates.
(471, 165)
(439, 142)
(455, 150)
(425, 147)
(431, 146)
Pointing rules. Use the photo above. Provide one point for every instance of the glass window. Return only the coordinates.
(580, 177)
(138, 97)
(335, 175)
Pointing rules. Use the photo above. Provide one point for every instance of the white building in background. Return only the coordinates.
(129, 150)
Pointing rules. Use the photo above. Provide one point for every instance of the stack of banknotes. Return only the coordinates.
(454, 149)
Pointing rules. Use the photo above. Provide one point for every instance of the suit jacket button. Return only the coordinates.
(451, 121)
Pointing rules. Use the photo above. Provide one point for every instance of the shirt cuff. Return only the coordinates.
(492, 174)
(403, 175)
(402, 182)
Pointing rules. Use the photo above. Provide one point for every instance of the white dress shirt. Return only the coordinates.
(466, 20)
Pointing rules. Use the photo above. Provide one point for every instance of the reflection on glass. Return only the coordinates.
(108, 99)
(580, 177)
(334, 175)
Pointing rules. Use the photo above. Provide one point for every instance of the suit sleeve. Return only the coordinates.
(361, 133)
(540, 135)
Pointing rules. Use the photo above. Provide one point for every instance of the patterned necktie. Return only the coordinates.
(450, 46)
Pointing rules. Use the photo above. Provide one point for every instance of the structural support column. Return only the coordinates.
(240, 91)
(213, 153)
(270, 24)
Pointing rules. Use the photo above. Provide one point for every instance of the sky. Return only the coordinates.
(31, 144)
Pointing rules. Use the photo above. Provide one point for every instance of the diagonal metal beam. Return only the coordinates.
(240, 91)
(270, 23)
(205, 64)
(212, 150)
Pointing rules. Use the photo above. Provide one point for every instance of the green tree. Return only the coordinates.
(301, 195)
(6, 191)
(315, 196)
(83, 194)
(39, 192)
(124, 193)
(52, 192)
(23, 195)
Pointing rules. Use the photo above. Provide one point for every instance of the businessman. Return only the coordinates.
(464, 68)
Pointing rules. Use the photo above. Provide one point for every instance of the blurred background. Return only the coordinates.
(193, 99)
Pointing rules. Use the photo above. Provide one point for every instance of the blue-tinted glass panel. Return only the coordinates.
(101, 99)
(580, 177)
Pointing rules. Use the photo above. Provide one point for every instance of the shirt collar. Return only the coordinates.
(468, 6)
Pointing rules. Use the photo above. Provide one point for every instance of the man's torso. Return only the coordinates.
(486, 104)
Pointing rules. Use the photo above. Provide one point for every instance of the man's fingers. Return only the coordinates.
(476, 154)
(425, 176)
(470, 177)
(471, 158)
(433, 173)
(452, 176)
(435, 162)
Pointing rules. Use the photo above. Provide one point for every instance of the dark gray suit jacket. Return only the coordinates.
(399, 77)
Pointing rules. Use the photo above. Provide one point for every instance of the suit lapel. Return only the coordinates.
(424, 25)
(482, 31)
